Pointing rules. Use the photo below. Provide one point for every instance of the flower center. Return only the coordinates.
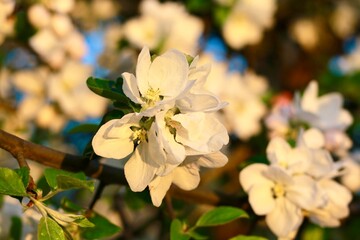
(139, 135)
(151, 97)
(278, 190)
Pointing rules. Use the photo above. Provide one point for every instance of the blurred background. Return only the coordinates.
(261, 52)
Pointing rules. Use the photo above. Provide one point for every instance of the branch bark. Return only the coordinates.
(60, 160)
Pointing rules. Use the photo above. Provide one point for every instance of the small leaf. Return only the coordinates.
(107, 88)
(103, 228)
(24, 173)
(51, 175)
(69, 182)
(69, 206)
(220, 215)
(84, 128)
(83, 222)
(177, 231)
(16, 188)
(48, 229)
(194, 235)
(242, 237)
(16, 228)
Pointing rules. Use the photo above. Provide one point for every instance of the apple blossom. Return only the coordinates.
(175, 131)
(278, 195)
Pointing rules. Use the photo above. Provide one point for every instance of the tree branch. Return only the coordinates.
(60, 160)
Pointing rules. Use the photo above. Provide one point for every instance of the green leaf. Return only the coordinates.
(220, 215)
(69, 206)
(107, 88)
(177, 231)
(195, 235)
(60, 179)
(16, 228)
(69, 182)
(83, 222)
(103, 228)
(48, 229)
(242, 237)
(24, 173)
(16, 188)
(84, 128)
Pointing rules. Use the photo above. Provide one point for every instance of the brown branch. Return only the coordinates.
(60, 160)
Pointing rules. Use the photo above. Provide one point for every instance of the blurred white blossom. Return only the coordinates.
(57, 38)
(306, 33)
(325, 113)
(243, 92)
(247, 20)
(6, 23)
(344, 19)
(163, 26)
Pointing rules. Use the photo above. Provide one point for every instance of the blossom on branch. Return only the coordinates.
(175, 132)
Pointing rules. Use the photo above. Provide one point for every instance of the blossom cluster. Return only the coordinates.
(298, 182)
(175, 132)
(301, 180)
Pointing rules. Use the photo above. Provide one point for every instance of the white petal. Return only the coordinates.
(303, 192)
(277, 150)
(337, 193)
(285, 218)
(200, 131)
(142, 70)
(130, 87)
(168, 73)
(213, 160)
(314, 138)
(159, 187)
(194, 102)
(253, 175)
(175, 152)
(323, 218)
(261, 199)
(139, 171)
(113, 142)
(309, 98)
(278, 175)
(187, 177)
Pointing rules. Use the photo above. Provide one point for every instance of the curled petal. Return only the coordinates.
(113, 142)
(187, 177)
(130, 88)
(158, 188)
(139, 170)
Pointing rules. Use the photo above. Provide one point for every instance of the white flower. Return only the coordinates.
(157, 82)
(278, 195)
(174, 129)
